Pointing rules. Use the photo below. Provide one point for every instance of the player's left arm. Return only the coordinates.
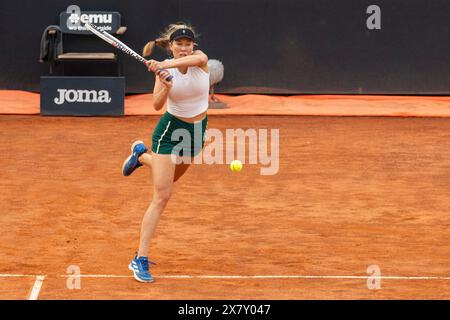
(197, 59)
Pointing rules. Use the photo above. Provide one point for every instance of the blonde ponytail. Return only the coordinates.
(148, 49)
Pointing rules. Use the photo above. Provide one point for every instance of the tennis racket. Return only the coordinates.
(117, 44)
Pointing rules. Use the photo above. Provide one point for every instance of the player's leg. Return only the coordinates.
(163, 170)
(180, 169)
(146, 159)
(163, 173)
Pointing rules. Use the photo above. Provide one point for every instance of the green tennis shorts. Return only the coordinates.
(174, 136)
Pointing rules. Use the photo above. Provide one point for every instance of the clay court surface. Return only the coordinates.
(351, 192)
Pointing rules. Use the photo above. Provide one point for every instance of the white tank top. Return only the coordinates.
(188, 96)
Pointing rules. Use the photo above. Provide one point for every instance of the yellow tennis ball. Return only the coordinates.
(236, 165)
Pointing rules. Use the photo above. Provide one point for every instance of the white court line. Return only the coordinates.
(18, 275)
(262, 277)
(34, 294)
(41, 277)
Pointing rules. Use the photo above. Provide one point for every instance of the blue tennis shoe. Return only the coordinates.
(140, 269)
(132, 162)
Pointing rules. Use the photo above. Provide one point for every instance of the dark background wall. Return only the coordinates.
(267, 46)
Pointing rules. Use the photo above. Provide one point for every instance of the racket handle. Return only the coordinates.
(169, 78)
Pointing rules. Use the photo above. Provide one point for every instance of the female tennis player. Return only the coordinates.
(186, 95)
